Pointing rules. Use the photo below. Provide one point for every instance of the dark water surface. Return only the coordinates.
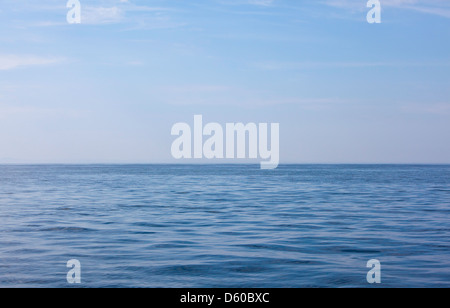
(225, 226)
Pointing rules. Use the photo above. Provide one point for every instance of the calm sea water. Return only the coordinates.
(225, 226)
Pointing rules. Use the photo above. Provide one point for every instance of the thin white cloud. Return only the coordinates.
(8, 62)
(246, 2)
(434, 7)
(274, 66)
(125, 12)
(430, 10)
(429, 108)
(261, 2)
(95, 12)
(7, 111)
(101, 15)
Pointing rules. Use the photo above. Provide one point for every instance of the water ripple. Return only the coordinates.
(225, 225)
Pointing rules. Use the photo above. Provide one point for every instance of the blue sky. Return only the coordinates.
(109, 89)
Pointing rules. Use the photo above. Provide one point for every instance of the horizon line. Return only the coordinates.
(214, 164)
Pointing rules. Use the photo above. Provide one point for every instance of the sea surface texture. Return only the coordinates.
(225, 225)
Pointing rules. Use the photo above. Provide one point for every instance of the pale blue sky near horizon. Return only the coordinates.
(109, 89)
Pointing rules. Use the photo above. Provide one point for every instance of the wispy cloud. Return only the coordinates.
(262, 2)
(8, 62)
(430, 10)
(274, 66)
(127, 13)
(246, 2)
(94, 12)
(36, 112)
(430, 108)
(434, 7)
(101, 15)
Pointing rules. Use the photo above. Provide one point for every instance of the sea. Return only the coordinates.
(224, 226)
